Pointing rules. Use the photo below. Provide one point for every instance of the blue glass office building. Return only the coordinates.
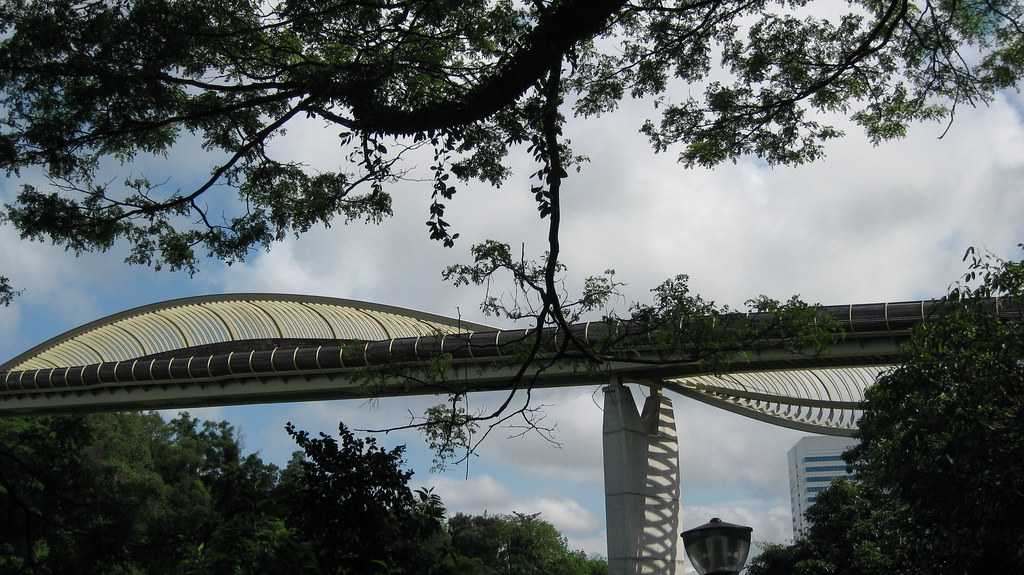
(813, 463)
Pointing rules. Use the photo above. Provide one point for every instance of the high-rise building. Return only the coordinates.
(814, 462)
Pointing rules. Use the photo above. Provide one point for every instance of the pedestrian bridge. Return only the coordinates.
(258, 348)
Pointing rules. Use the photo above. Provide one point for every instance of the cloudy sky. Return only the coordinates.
(866, 224)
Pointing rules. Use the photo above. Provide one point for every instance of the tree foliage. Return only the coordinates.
(126, 493)
(516, 544)
(83, 82)
(354, 505)
(7, 293)
(940, 466)
(943, 430)
(854, 530)
(132, 494)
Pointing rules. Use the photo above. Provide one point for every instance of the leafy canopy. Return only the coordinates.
(940, 466)
(84, 82)
(516, 544)
(130, 493)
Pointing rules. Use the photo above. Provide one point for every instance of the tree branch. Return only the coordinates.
(571, 22)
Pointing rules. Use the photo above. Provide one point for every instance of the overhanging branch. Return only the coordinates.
(559, 30)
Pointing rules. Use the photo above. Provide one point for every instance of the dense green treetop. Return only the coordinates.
(940, 468)
(84, 81)
(129, 493)
(854, 530)
(132, 494)
(516, 544)
(943, 431)
(351, 501)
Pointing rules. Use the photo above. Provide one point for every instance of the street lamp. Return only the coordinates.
(717, 547)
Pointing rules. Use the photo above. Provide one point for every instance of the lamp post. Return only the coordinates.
(717, 547)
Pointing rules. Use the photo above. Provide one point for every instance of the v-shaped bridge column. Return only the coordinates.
(641, 484)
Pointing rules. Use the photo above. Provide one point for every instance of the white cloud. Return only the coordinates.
(576, 416)
(215, 413)
(50, 279)
(596, 544)
(484, 493)
(718, 449)
(475, 495)
(49, 276)
(770, 519)
(323, 416)
(725, 451)
(863, 224)
(566, 514)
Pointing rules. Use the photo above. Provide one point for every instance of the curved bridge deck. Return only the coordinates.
(260, 348)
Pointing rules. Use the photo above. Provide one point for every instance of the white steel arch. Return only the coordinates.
(206, 320)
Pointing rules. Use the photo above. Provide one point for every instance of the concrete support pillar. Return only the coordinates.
(641, 484)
